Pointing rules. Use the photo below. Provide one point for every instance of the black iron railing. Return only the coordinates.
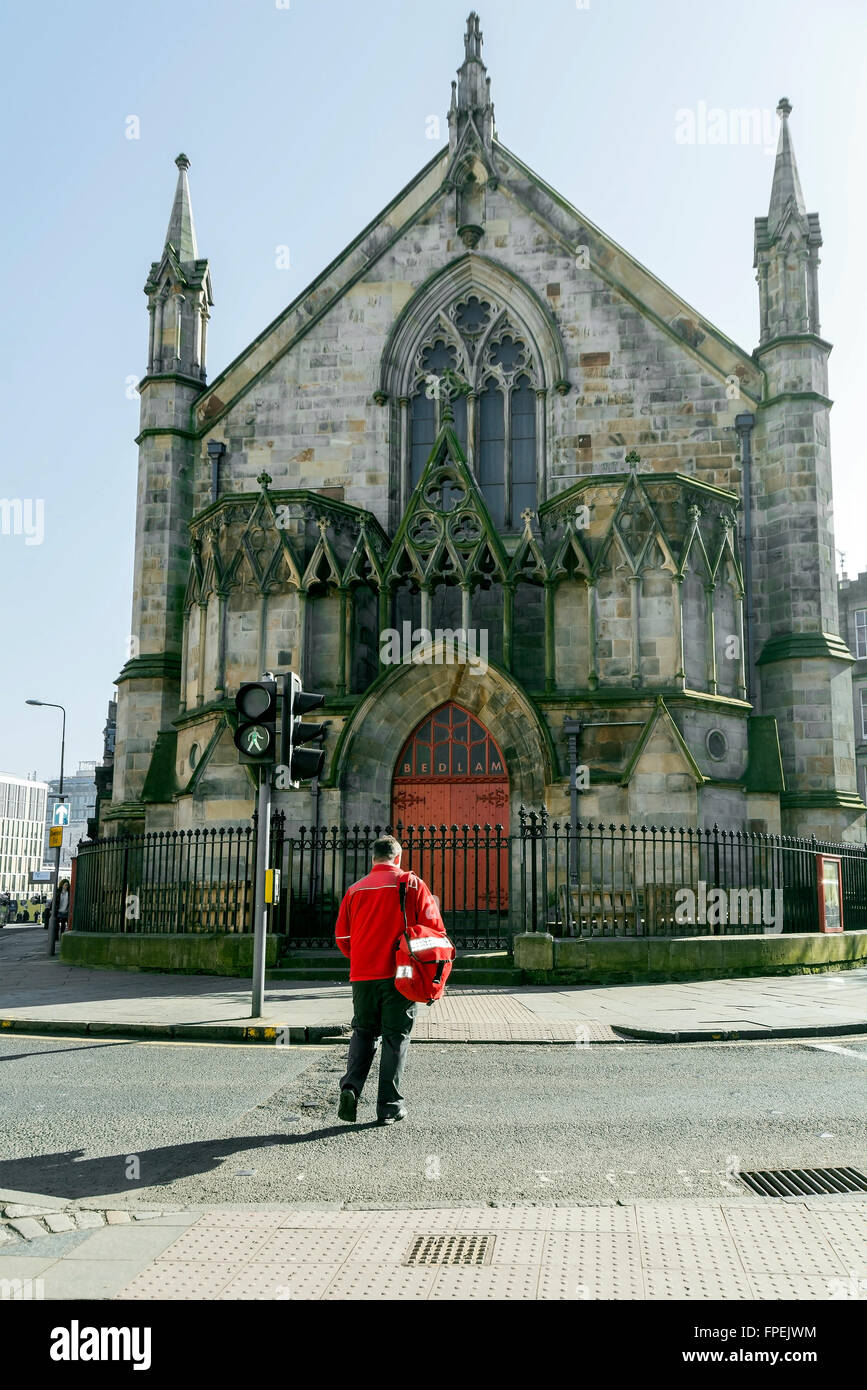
(167, 881)
(570, 880)
(468, 868)
(598, 880)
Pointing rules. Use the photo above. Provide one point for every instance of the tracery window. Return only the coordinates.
(475, 351)
(451, 743)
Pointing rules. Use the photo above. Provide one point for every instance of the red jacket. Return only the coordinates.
(370, 921)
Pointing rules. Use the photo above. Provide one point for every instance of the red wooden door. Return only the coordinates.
(452, 774)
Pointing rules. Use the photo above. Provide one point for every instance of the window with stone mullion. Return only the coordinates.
(491, 451)
(522, 437)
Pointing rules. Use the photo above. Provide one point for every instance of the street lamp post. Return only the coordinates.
(52, 921)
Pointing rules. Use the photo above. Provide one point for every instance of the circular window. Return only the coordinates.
(194, 756)
(717, 745)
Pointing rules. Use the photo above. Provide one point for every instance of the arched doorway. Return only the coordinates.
(451, 773)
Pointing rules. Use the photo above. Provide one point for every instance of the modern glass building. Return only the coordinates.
(22, 828)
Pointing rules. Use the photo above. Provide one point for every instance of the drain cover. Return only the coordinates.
(450, 1250)
(804, 1182)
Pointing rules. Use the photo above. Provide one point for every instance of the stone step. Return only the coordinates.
(332, 960)
(490, 968)
(458, 978)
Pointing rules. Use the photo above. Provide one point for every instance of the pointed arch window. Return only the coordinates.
(523, 440)
(491, 465)
(495, 419)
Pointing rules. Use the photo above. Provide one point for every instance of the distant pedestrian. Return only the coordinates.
(62, 905)
(368, 927)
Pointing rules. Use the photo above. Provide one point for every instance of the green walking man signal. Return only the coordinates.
(256, 734)
(266, 738)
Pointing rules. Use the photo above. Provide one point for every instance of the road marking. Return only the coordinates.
(832, 1047)
(164, 1042)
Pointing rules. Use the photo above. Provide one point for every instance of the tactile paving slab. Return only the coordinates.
(218, 1243)
(307, 1247)
(366, 1281)
(780, 1240)
(280, 1282)
(503, 1282)
(665, 1250)
(846, 1232)
(496, 1016)
(801, 1286)
(690, 1252)
(180, 1279)
(579, 1285)
(697, 1284)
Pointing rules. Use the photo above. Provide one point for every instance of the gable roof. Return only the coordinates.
(561, 221)
(661, 717)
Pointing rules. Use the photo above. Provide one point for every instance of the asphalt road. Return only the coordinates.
(139, 1122)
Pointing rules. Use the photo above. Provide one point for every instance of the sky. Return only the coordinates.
(302, 119)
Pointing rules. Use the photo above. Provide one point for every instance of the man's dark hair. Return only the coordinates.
(386, 847)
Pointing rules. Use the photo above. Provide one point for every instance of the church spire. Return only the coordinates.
(181, 234)
(787, 245)
(786, 188)
(471, 105)
(179, 294)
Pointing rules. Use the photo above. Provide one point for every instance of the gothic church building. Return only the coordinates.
(485, 416)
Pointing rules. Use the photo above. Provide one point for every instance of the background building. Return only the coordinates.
(22, 825)
(104, 774)
(79, 793)
(852, 598)
(486, 415)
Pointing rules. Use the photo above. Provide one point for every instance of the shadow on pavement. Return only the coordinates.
(73, 1177)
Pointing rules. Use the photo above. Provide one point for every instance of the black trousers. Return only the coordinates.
(379, 1012)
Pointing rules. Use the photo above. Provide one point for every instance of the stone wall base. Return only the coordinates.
(193, 953)
(618, 960)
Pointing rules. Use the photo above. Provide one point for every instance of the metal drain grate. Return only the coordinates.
(450, 1250)
(804, 1182)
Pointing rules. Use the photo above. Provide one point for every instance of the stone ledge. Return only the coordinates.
(800, 646)
(190, 953)
(621, 959)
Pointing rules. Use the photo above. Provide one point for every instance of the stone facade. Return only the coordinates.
(852, 598)
(485, 416)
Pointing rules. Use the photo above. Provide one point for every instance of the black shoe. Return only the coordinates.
(392, 1119)
(346, 1108)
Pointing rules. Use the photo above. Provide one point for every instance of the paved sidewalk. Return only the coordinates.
(39, 994)
(755, 1249)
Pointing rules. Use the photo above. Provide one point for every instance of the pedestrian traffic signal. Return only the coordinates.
(303, 763)
(256, 734)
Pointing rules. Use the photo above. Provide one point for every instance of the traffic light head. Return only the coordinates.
(303, 763)
(256, 734)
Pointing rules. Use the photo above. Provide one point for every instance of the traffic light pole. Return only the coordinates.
(260, 911)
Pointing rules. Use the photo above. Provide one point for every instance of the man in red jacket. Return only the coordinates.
(368, 926)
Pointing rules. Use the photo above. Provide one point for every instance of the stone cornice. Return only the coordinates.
(800, 646)
(213, 710)
(796, 396)
(166, 429)
(153, 666)
(800, 338)
(288, 496)
(847, 801)
(125, 810)
(157, 377)
(671, 694)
